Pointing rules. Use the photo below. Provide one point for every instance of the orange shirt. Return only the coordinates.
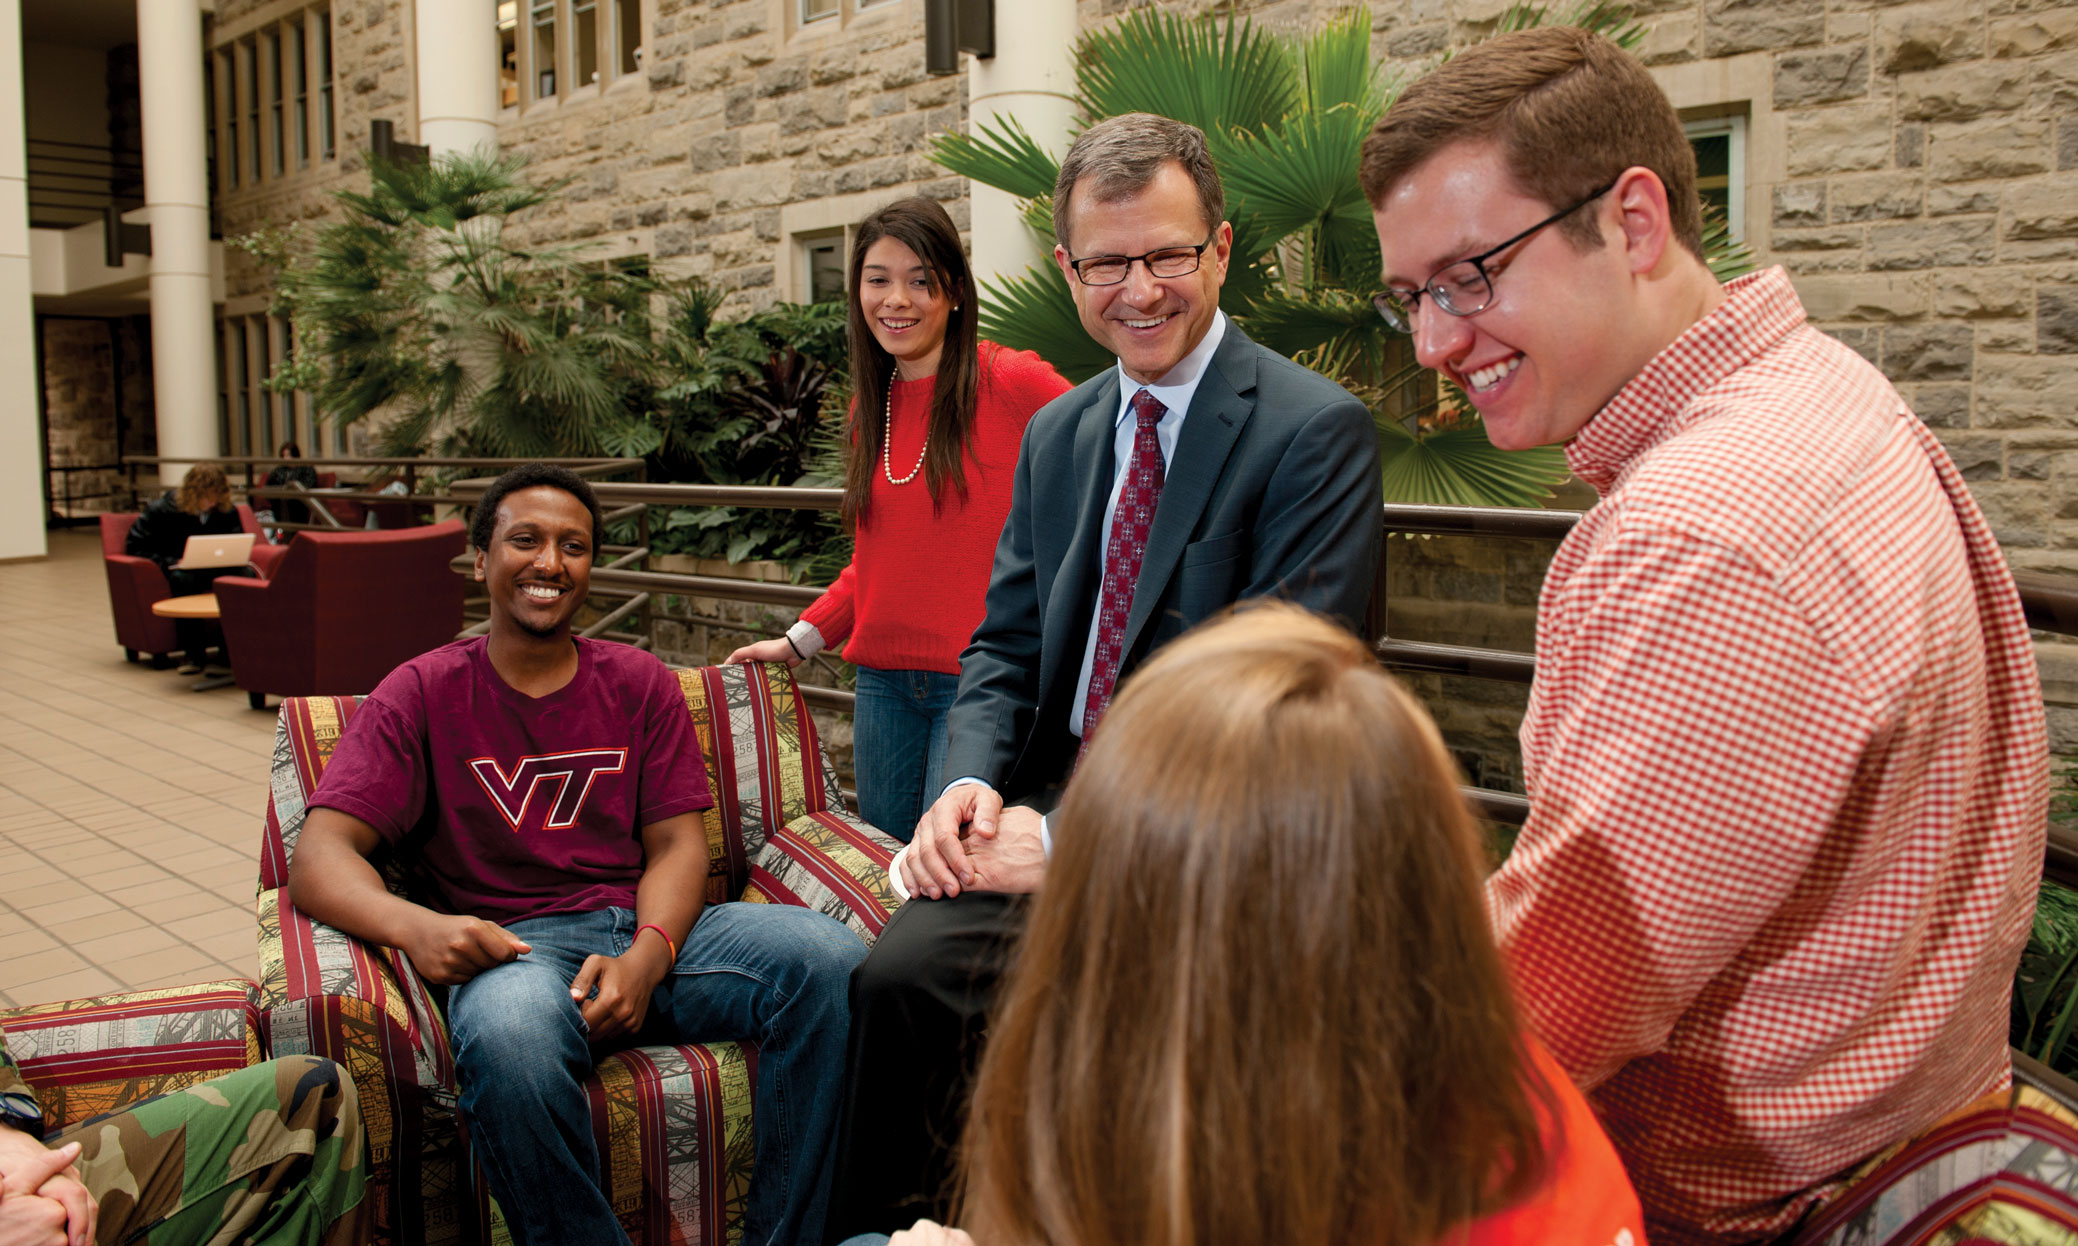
(1587, 1199)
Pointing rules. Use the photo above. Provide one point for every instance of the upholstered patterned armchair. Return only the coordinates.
(674, 1122)
(89, 1056)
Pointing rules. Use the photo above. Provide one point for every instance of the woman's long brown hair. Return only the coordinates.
(921, 225)
(1258, 1000)
(203, 489)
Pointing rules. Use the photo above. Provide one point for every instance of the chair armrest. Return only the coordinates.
(142, 572)
(89, 1056)
(833, 863)
(323, 992)
(266, 557)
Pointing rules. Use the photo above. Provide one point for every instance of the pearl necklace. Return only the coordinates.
(887, 437)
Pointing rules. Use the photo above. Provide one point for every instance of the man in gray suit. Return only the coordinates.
(1202, 471)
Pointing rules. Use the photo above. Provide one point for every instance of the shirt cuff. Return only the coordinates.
(894, 875)
(807, 638)
(1045, 837)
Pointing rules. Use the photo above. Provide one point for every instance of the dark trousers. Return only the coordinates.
(195, 636)
(919, 1008)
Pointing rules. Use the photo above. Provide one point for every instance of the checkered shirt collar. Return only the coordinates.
(1758, 311)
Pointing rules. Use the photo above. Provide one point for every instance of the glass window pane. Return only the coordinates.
(271, 48)
(826, 271)
(250, 85)
(327, 148)
(584, 16)
(508, 53)
(817, 10)
(627, 21)
(299, 72)
(544, 48)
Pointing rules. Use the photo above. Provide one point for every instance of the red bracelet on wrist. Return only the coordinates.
(668, 941)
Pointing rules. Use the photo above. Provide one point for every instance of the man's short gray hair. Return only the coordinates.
(1119, 156)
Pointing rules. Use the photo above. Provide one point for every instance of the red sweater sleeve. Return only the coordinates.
(833, 612)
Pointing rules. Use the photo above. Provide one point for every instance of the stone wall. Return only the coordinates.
(85, 360)
(371, 40)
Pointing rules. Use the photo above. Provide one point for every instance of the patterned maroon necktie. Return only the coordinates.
(1122, 556)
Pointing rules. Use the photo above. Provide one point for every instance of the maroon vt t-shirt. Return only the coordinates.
(517, 807)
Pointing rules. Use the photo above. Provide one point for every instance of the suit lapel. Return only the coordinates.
(1074, 588)
(1217, 413)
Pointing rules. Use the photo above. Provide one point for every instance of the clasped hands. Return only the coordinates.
(42, 1202)
(968, 841)
(612, 993)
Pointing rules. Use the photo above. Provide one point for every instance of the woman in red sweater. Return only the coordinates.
(936, 419)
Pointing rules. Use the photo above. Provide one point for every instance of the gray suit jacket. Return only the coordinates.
(1273, 490)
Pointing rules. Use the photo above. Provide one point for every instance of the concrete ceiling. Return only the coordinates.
(98, 24)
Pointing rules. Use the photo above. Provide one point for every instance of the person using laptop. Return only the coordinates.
(200, 506)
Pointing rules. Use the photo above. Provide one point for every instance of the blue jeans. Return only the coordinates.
(898, 745)
(769, 972)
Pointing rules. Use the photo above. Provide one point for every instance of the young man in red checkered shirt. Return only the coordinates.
(1785, 753)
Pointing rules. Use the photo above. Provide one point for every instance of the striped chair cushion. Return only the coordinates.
(830, 862)
(89, 1056)
(765, 763)
(2002, 1171)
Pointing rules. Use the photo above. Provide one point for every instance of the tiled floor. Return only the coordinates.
(130, 807)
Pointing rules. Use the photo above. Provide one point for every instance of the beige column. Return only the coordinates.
(1031, 77)
(457, 75)
(176, 196)
(21, 434)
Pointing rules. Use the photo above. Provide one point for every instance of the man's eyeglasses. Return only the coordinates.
(1109, 270)
(1465, 287)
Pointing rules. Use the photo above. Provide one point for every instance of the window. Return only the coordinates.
(627, 41)
(326, 147)
(508, 53)
(822, 266)
(817, 10)
(270, 49)
(249, 83)
(1720, 147)
(544, 18)
(223, 124)
(299, 73)
(585, 46)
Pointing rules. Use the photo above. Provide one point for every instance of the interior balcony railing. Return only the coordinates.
(2051, 602)
(72, 183)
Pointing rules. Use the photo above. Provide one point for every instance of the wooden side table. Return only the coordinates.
(195, 606)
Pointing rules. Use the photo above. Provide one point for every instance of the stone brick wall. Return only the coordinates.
(373, 77)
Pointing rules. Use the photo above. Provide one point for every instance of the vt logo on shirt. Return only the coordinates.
(571, 773)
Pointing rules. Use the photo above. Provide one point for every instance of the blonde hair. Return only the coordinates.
(1258, 1000)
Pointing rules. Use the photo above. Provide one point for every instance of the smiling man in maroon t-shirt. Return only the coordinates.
(548, 789)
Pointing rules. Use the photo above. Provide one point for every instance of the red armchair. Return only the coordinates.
(135, 583)
(342, 610)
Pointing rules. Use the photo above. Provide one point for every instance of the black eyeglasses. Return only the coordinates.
(1109, 270)
(1464, 287)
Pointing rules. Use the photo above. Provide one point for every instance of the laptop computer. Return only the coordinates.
(224, 550)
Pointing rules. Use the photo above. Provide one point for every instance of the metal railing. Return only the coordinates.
(62, 498)
(71, 183)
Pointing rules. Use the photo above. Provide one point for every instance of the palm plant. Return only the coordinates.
(419, 307)
(1285, 118)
